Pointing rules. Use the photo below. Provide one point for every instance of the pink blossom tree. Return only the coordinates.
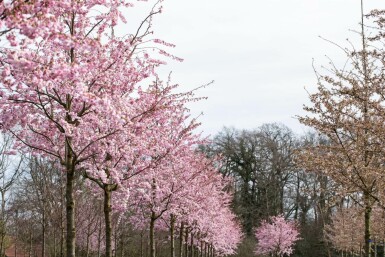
(75, 92)
(276, 236)
(186, 189)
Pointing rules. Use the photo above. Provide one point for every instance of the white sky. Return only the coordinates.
(259, 53)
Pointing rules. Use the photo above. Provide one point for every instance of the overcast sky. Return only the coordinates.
(259, 53)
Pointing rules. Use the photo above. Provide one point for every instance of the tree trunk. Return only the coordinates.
(172, 225)
(3, 232)
(70, 205)
(43, 231)
(152, 233)
(186, 243)
(206, 249)
(181, 239)
(62, 237)
(368, 212)
(107, 221)
(201, 255)
(192, 245)
(141, 244)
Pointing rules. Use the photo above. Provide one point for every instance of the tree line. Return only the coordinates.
(100, 156)
(106, 141)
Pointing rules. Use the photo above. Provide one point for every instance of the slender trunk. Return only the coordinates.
(192, 245)
(211, 251)
(172, 225)
(2, 248)
(107, 220)
(43, 232)
(368, 212)
(62, 240)
(152, 233)
(141, 244)
(201, 254)
(186, 243)
(375, 249)
(70, 207)
(181, 239)
(297, 188)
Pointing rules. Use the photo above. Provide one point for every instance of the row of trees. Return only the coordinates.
(99, 128)
(154, 218)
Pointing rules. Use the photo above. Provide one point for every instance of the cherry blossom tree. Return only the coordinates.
(348, 109)
(276, 236)
(71, 88)
(75, 92)
(186, 189)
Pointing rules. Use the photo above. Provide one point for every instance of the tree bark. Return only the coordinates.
(186, 243)
(152, 233)
(172, 228)
(43, 233)
(181, 239)
(206, 249)
(3, 232)
(192, 245)
(70, 209)
(368, 212)
(107, 220)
